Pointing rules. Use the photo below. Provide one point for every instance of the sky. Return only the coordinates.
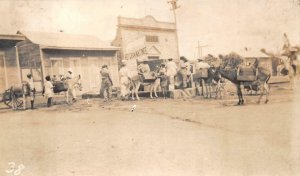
(222, 25)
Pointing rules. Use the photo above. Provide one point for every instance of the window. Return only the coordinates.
(151, 38)
(153, 57)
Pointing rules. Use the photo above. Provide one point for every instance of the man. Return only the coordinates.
(71, 86)
(200, 66)
(125, 77)
(293, 60)
(171, 68)
(184, 71)
(106, 83)
(32, 90)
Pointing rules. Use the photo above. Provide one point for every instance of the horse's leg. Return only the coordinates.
(210, 89)
(137, 90)
(239, 93)
(205, 91)
(133, 90)
(156, 84)
(151, 90)
(267, 90)
(262, 89)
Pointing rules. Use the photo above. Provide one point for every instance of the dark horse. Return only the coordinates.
(208, 82)
(228, 67)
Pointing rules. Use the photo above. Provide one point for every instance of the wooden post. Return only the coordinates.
(18, 65)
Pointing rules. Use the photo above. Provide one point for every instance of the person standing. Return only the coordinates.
(184, 71)
(163, 80)
(31, 89)
(48, 91)
(71, 85)
(125, 77)
(200, 66)
(171, 71)
(106, 83)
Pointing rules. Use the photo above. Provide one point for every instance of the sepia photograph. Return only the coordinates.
(149, 87)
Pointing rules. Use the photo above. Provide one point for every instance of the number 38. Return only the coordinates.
(15, 170)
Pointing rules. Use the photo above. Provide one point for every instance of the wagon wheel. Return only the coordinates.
(7, 98)
(11, 100)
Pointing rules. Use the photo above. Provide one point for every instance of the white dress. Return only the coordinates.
(48, 89)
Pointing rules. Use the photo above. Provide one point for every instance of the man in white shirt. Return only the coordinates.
(171, 68)
(32, 89)
(71, 85)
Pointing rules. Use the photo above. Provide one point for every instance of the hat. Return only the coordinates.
(70, 70)
(29, 74)
(170, 59)
(183, 58)
(103, 66)
(200, 59)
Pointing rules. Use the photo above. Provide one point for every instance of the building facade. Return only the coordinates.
(53, 54)
(145, 39)
(9, 61)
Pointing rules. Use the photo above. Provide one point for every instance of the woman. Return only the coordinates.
(48, 91)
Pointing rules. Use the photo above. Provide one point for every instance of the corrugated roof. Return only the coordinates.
(67, 41)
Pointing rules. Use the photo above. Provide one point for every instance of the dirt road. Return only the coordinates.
(160, 137)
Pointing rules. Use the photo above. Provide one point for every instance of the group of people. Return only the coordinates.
(164, 76)
(48, 92)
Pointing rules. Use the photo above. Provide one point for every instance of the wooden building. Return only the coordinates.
(145, 39)
(9, 62)
(53, 54)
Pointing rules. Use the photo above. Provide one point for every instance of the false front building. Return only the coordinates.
(145, 39)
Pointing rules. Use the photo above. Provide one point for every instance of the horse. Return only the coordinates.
(67, 86)
(210, 82)
(137, 81)
(228, 68)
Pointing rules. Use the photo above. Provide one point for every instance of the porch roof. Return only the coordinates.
(64, 41)
(7, 41)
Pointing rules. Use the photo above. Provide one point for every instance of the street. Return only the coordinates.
(160, 137)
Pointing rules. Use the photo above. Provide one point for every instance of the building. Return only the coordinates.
(145, 39)
(264, 61)
(53, 54)
(9, 62)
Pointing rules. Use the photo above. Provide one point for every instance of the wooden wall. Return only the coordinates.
(12, 68)
(85, 63)
(30, 62)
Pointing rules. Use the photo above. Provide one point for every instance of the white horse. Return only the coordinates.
(69, 87)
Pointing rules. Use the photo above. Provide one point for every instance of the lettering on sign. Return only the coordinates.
(137, 53)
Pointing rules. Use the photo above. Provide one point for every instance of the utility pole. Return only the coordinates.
(199, 47)
(174, 6)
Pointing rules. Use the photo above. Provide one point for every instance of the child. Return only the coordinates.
(163, 80)
(48, 91)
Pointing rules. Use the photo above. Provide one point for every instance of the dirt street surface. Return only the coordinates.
(160, 137)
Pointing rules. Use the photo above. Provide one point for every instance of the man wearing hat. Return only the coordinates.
(106, 84)
(200, 65)
(171, 68)
(32, 89)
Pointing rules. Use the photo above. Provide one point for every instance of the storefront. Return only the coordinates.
(145, 39)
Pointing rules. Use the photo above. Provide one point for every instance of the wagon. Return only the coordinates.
(13, 97)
